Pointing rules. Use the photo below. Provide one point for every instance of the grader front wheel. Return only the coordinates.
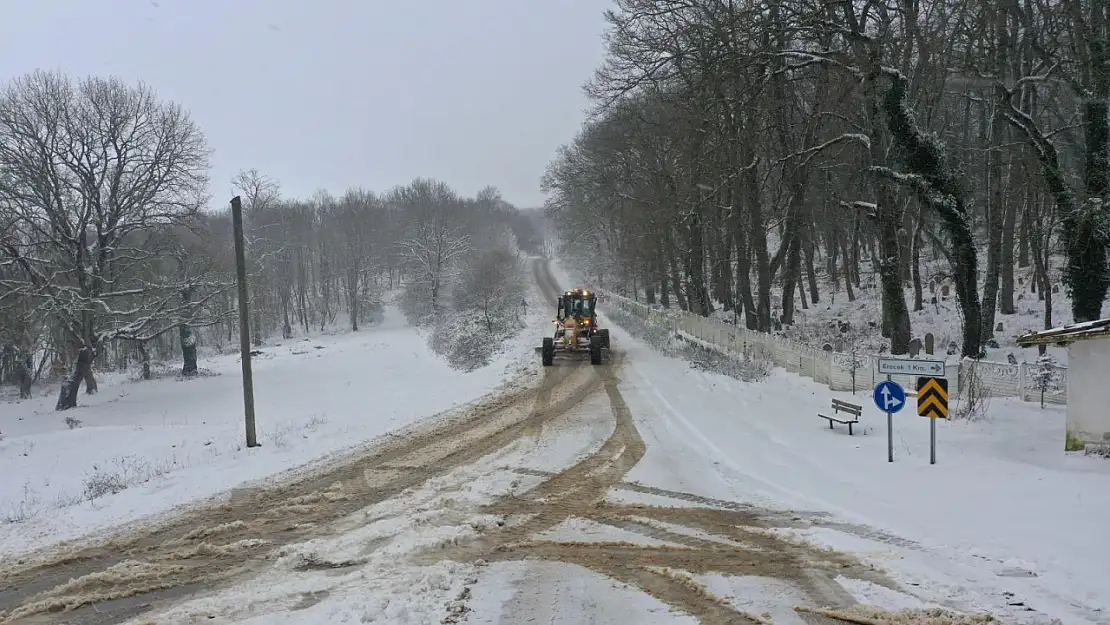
(595, 349)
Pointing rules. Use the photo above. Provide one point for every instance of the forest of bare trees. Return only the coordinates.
(746, 155)
(112, 252)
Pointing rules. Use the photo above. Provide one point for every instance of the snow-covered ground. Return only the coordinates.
(1004, 522)
(1004, 510)
(143, 447)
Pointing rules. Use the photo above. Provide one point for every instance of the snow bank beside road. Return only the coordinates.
(144, 447)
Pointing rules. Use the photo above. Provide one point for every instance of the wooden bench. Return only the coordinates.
(846, 408)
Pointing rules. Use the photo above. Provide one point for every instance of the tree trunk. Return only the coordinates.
(915, 268)
(996, 218)
(995, 225)
(188, 339)
(849, 277)
(90, 378)
(1009, 221)
(67, 396)
(674, 275)
(928, 161)
(1086, 273)
(1040, 262)
(255, 305)
(26, 376)
(1023, 241)
(696, 292)
(352, 297)
(144, 358)
(811, 272)
(895, 314)
(757, 243)
(1089, 275)
(790, 272)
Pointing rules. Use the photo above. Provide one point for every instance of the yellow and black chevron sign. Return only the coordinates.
(932, 398)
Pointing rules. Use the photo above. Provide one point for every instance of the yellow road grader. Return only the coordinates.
(576, 329)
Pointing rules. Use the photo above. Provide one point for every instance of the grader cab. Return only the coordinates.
(576, 329)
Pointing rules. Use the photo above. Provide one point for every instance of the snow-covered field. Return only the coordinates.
(1004, 522)
(143, 447)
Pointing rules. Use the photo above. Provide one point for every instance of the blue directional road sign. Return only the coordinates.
(889, 396)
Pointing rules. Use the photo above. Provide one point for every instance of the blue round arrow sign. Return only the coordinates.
(889, 396)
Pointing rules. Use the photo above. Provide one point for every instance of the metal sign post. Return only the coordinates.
(889, 397)
(889, 431)
(932, 402)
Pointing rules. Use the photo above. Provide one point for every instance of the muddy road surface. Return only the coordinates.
(150, 567)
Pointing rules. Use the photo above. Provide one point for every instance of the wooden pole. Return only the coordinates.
(244, 320)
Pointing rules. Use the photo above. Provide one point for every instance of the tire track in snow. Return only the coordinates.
(580, 492)
(215, 543)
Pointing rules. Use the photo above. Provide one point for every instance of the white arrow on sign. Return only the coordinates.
(907, 366)
(888, 401)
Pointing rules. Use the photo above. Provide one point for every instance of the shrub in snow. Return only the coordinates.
(1100, 450)
(485, 309)
(101, 483)
(279, 436)
(1045, 375)
(973, 399)
(416, 304)
(27, 508)
(126, 471)
(72, 423)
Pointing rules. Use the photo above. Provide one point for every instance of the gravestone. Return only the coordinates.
(998, 328)
(1055, 288)
(838, 344)
(932, 287)
(929, 343)
(914, 348)
(826, 347)
(944, 290)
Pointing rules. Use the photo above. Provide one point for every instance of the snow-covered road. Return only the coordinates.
(640, 491)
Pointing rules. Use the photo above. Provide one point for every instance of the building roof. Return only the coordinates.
(1085, 331)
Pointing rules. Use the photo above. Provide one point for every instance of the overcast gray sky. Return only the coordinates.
(335, 93)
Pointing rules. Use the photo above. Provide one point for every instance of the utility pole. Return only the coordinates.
(244, 319)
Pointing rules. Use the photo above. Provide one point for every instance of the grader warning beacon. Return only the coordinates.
(576, 329)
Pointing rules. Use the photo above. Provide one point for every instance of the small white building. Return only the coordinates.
(1088, 412)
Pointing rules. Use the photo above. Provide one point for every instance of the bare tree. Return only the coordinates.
(95, 173)
(491, 285)
(435, 240)
(740, 148)
(358, 223)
